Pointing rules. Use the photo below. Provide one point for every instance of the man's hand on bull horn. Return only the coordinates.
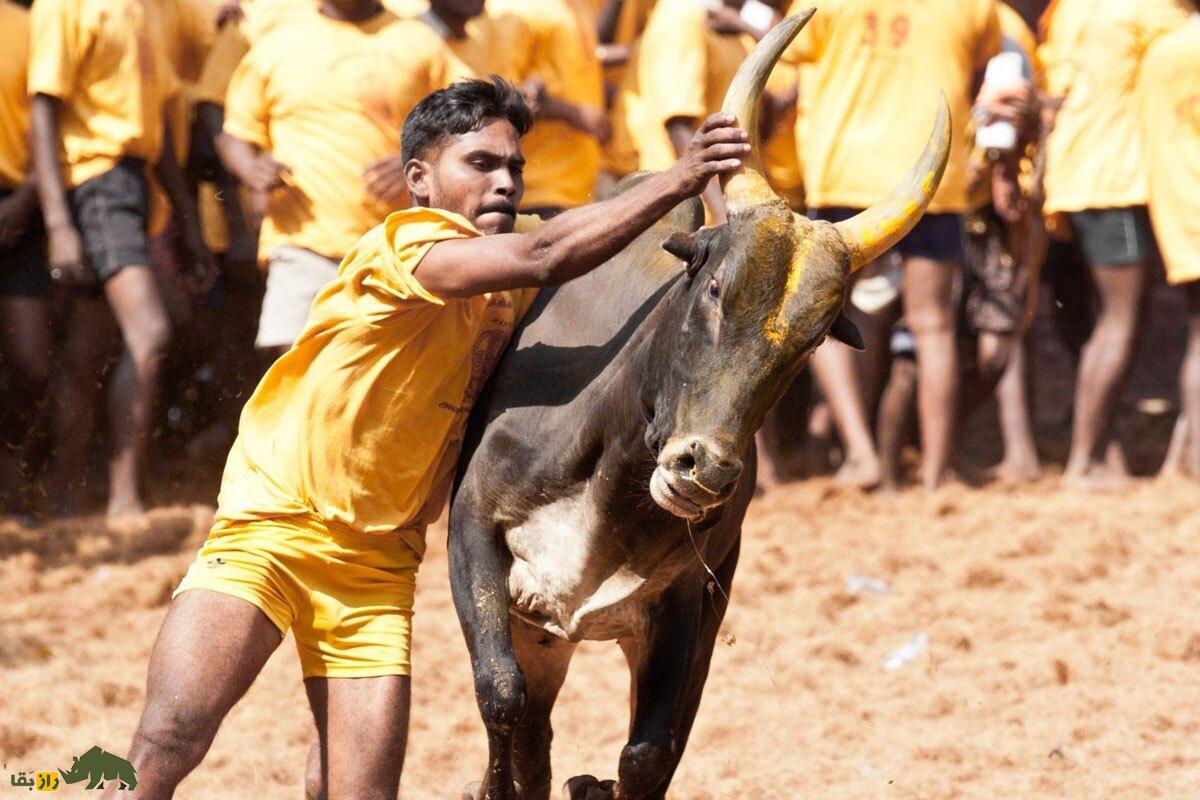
(717, 148)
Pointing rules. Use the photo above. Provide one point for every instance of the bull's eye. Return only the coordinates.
(714, 288)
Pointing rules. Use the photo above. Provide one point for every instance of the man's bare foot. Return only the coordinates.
(1098, 478)
(125, 512)
(1017, 470)
(860, 473)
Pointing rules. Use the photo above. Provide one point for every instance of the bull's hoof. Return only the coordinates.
(474, 791)
(587, 787)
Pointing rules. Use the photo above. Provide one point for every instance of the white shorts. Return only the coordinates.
(294, 277)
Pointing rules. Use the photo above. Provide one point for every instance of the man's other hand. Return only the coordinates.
(384, 178)
(267, 174)
(67, 266)
(717, 148)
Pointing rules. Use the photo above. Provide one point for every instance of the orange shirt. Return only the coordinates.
(14, 100)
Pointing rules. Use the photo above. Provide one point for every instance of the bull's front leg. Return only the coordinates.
(479, 566)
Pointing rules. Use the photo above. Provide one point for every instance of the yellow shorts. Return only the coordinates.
(347, 596)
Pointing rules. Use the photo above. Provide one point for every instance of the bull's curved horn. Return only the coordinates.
(749, 187)
(872, 232)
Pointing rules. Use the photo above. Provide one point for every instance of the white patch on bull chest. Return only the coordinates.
(568, 575)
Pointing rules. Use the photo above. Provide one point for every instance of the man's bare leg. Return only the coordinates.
(362, 729)
(930, 313)
(85, 356)
(146, 331)
(1189, 387)
(209, 650)
(25, 337)
(896, 416)
(1103, 367)
(833, 365)
(1020, 460)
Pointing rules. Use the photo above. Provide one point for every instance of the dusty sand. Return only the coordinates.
(1063, 659)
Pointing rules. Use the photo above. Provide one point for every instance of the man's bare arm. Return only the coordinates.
(577, 241)
(65, 247)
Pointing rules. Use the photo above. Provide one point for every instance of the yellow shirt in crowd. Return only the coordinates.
(878, 66)
(107, 61)
(326, 98)
(683, 69)
(360, 423)
(1092, 53)
(1169, 89)
(477, 56)
(562, 162)
(14, 100)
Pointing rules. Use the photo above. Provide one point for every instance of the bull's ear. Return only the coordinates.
(682, 246)
(846, 332)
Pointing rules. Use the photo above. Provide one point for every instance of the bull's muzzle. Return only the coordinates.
(693, 475)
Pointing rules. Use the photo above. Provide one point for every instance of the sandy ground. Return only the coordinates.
(1063, 656)
(1063, 631)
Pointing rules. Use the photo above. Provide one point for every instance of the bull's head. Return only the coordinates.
(762, 292)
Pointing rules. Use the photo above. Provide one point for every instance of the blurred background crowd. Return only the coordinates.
(179, 178)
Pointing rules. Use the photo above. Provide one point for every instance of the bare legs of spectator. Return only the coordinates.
(1103, 367)
(896, 407)
(1183, 457)
(833, 364)
(929, 310)
(25, 336)
(141, 318)
(1020, 460)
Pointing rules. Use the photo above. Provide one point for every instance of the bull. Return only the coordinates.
(608, 465)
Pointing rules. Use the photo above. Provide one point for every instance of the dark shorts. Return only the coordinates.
(111, 211)
(1113, 237)
(995, 285)
(938, 237)
(23, 270)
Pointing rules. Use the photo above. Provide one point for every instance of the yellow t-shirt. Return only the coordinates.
(360, 423)
(107, 61)
(14, 100)
(683, 69)
(1169, 91)
(477, 55)
(878, 66)
(326, 98)
(562, 162)
(1092, 54)
(781, 152)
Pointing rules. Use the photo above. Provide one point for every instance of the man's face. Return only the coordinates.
(477, 175)
(463, 9)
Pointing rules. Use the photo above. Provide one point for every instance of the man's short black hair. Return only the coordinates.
(461, 108)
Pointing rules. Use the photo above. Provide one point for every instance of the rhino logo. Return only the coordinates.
(97, 766)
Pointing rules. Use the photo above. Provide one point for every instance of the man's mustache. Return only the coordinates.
(501, 206)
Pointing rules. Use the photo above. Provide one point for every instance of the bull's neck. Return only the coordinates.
(639, 372)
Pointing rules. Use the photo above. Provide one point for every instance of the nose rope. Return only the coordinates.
(696, 481)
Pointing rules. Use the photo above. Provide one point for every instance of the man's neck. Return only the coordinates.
(361, 13)
(446, 25)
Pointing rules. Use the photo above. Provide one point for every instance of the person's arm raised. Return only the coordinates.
(577, 241)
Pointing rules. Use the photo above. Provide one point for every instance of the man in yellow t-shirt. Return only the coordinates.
(1096, 179)
(310, 106)
(346, 450)
(100, 78)
(24, 279)
(877, 67)
(1169, 104)
(564, 146)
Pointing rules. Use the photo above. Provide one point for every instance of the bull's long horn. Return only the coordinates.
(750, 187)
(871, 233)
